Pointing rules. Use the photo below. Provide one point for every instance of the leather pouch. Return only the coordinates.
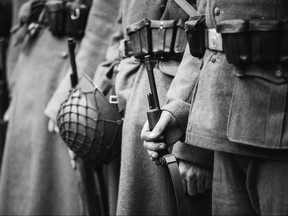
(162, 33)
(140, 37)
(284, 43)
(265, 41)
(236, 40)
(180, 39)
(195, 28)
(56, 16)
(76, 19)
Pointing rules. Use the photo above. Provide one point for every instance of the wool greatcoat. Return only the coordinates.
(37, 178)
(94, 49)
(139, 192)
(238, 110)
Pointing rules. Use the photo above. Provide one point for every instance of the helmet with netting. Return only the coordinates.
(89, 125)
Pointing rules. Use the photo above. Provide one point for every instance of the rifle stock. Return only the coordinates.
(153, 115)
(87, 179)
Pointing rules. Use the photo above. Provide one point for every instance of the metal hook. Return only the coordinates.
(75, 14)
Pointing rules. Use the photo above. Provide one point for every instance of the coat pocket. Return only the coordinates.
(169, 67)
(257, 112)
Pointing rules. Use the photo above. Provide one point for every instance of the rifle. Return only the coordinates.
(167, 167)
(4, 95)
(5, 25)
(85, 172)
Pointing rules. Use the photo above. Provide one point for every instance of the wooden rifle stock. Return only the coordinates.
(87, 179)
(153, 115)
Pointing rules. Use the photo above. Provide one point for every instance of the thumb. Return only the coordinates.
(164, 121)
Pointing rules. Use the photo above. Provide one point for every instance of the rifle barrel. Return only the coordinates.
(149, 67)
(74, 75)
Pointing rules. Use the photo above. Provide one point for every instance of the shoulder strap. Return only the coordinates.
(187, 7)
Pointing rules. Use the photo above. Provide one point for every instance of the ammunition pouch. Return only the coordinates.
(89, 125)
(67, 18)
(62, 17)
(263, 42)
(161, 39)
(195, 32)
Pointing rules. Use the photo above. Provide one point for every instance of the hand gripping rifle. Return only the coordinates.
(167, 167)
(4, 95)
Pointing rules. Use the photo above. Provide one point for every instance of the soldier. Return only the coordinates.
(37, 177)
(94, 49)
(238, 106)
(139, 191)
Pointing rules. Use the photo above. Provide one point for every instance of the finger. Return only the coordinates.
(145, 131)
(191, 185)
(200, 186)
(164, 121)
(72, 155)
(51, 125)
(208, 183)
(153, 154)
(56, 129)
(7, 115)
(184, 182)
(152, 146)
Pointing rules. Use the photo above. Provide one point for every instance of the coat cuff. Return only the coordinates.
(193, 154)
(179, 109)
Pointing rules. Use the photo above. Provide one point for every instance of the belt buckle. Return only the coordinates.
(113, 99)
(214, 40)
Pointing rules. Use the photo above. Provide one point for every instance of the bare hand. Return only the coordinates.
(166, 123)
(195, 179)
(52, 127)
(6, 116)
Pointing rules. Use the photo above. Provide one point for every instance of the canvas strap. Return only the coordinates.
(188, 8)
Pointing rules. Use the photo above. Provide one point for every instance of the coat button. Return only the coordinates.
(278, 74)
(216, 11)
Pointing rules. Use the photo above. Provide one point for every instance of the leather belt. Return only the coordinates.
(213, 40)
(126, 50)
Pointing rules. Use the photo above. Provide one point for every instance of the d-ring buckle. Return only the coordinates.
(75, 14)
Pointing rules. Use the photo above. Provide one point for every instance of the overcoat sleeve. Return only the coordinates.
(179, 99)
(92, 49)
(102, 77)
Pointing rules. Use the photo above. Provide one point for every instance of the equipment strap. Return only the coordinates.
(188, 8)
(173, 168)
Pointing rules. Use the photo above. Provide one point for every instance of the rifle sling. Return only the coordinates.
(187, 7)
(171, 163)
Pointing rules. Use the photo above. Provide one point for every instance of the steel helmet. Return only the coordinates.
(90, 125)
